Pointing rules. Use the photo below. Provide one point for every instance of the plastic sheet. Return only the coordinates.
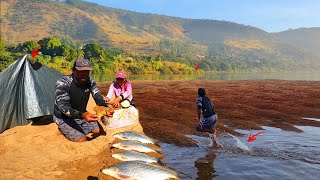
(27, 91)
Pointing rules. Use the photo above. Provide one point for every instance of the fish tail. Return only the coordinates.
(179, 172)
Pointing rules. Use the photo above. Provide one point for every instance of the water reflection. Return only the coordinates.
(205, 166)
(306, 76)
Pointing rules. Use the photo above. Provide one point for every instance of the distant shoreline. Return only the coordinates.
(295, 76)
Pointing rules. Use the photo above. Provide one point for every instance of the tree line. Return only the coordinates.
(61, 54)
(170, 57)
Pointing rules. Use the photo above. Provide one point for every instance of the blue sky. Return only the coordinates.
(269, 15)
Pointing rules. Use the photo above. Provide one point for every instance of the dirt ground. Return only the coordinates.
(167, 111)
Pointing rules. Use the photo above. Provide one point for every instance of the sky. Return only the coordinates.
(269, 15)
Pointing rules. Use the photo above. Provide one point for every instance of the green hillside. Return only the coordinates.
(214, 45)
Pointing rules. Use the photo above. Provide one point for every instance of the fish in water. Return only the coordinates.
(133, 136)
(135, 156)
(133, 145)
(139, 170)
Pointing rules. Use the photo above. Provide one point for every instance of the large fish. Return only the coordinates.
(139, 170)
(135, 156)
(133, 145)
(133, 136)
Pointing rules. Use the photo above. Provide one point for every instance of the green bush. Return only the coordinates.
(43, 59)
(165, 70)
(136, 69)
(6, 59)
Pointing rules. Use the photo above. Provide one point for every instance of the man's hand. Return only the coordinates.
(89, 117)
(108, 101)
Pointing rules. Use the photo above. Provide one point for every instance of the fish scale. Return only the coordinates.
(135, 156)
(133, 145)
(127, 135)
(139, 170)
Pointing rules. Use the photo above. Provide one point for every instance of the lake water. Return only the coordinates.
(276, 154)
(305, 76)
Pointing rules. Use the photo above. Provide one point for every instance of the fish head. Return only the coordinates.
(115, 172)
(120, 136)
(119, 145)
(116, 145)
(119, 156)
(111, 171)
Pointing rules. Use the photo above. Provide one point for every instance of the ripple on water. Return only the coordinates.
(276, 154)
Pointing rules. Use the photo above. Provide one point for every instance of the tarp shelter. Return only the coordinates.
(26, 91)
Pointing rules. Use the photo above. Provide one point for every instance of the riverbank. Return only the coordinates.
(167, 112)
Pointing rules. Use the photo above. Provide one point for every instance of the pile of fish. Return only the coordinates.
(135, 164)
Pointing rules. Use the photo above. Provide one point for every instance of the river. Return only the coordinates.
(276, 154)
(303, 76)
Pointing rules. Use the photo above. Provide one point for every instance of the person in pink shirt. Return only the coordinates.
(119, 90)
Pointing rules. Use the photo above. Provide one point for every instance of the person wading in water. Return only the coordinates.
(207, 116)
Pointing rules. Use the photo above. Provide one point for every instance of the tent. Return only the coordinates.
(27, 91)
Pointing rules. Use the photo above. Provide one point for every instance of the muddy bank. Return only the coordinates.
(167, 108)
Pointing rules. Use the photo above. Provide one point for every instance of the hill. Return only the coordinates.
(215, 45)
(307, 38)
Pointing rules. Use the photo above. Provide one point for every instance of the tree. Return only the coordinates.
(157, 65)
(94, 51)
(6, 58)
(225, 66)
(27, 47)
(79, 53)
(51, 46)
(2, 45)
(68, 52)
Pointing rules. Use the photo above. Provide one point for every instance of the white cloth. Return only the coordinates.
(122, 118)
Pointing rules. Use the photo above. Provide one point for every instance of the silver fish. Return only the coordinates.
(135, 156)
(133, 136)
(139, 170)
(133, 145)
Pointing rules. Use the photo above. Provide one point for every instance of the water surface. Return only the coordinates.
(305, 76)
(276, 154)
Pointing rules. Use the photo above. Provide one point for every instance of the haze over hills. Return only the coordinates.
(307, 38)
(177, 39)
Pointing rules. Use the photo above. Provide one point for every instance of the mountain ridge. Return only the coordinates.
(179, 39)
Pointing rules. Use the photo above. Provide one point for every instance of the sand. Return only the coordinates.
(167, 112)
(42, 152)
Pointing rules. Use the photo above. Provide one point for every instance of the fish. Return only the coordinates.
(133, 136)
(139, 170)
(133, 145)
(135, 156)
